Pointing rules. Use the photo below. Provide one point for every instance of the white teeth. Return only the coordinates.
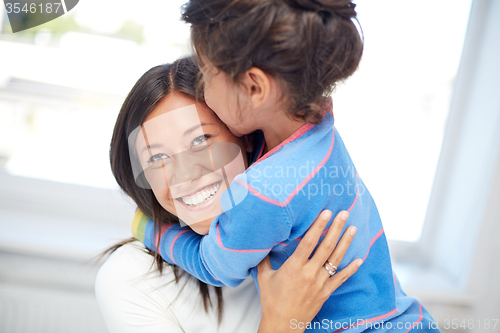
(201, 196)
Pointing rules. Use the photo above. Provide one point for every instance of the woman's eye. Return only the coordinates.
(199, 140)
(157, 158)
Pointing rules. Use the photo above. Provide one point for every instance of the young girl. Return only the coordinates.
(268, 66)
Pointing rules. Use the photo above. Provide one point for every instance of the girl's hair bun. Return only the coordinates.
(341, 8)
(308, 45)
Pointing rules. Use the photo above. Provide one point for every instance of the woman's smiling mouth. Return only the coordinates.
(201, 196)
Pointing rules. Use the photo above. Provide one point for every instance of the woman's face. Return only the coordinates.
(183, 148)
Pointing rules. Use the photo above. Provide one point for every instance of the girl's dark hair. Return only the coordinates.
(307, 45)
(156, 83)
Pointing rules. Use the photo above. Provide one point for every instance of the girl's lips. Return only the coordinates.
(205, 202)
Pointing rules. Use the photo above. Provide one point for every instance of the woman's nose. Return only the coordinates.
(186, 168)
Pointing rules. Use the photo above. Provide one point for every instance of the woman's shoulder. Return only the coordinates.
(125, 291)
(130, 260)
(131, 265)
(133, 294)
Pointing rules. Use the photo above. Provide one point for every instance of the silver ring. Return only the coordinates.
(332, 265)
(328, 270)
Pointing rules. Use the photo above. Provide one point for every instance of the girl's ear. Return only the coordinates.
(257, 85)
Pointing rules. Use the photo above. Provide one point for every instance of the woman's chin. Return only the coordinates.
(201, 228)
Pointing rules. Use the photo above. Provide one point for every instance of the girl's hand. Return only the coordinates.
(292, 295)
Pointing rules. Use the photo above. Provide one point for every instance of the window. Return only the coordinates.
(62, 84)
(392, 112)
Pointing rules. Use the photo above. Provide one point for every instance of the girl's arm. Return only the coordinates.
(239, 239)
(130, 307)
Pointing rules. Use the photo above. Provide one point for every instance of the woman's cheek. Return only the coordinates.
(165, 200)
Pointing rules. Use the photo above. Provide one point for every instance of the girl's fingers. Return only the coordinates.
(311, 238)
(341, 276)
(344, 243)
(329, 242)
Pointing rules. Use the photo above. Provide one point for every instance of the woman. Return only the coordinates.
(133, 296)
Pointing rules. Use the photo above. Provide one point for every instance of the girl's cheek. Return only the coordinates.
(212, 90)
(208, 97)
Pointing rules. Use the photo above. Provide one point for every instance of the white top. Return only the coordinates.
(134, 298)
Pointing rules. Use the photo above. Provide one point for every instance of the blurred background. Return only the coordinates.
(423, 109)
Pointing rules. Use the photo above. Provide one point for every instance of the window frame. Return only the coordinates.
(464, 199)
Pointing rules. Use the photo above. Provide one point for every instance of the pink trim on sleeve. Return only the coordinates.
(418, 321)
(172, 245)
(373, 241)
(368, 320)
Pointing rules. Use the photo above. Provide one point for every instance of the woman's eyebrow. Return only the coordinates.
(192, 129)
(156, 145)
(195, 128)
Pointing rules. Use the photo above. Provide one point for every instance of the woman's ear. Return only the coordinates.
(258, 86)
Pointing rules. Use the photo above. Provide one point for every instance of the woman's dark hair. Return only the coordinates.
(307, 45)
(156, 83)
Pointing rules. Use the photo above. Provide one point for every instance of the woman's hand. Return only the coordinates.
(295, 292)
